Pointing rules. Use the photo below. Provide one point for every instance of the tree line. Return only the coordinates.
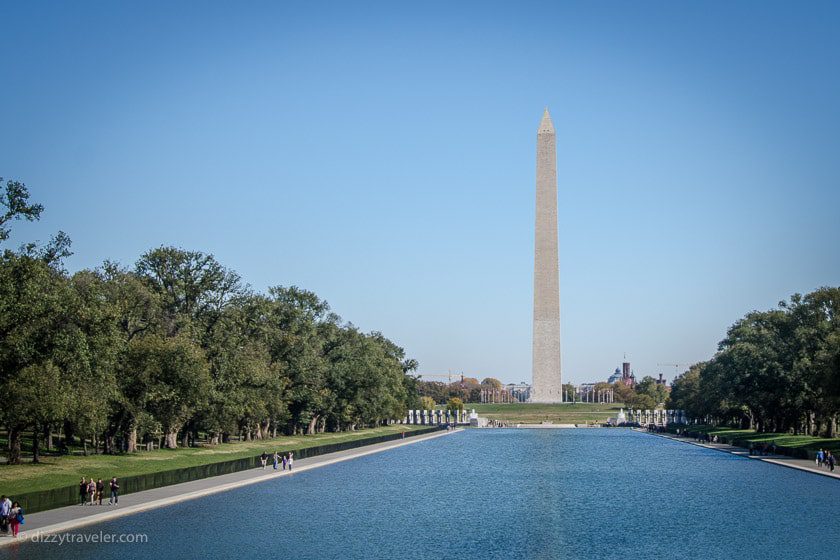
(176, 346)
(466, 390)
(645, 395)
(775, 371)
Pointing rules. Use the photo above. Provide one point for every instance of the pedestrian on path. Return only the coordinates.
(291, 460)
(16, 518)
(91, 490)
(115, 487)
(263, 459)
(276, 459)
(5, 508)
(100, 491)
(831, 461)
(283, 458)
(83, 491)
(820, 458)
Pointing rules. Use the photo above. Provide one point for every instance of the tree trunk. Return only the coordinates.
(14, 446)
(131, 439)
(311, 428)
(185, 439)
(48, 437)
(69, 434)
(171, 441)
(36, 445)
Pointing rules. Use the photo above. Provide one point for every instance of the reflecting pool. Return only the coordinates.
(546, 493)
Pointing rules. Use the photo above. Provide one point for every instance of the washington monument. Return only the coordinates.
(547, 384)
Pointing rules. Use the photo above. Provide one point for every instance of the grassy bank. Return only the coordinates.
(534, 413)
(65, 470)
(798, 445)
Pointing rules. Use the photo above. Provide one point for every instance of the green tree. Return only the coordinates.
(491, 383)
(176, 380)
(38, 396)
(623, 393)
(427, 403)
(193, 287)
(654, 390)
(39, 337)
(642, 401)
(16, 206)
(454, 404)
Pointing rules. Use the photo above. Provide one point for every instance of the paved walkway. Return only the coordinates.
(72, 517)
(783, 460)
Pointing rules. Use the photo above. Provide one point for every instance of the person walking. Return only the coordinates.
(5, 508)
(263, 459)
(820, 457)
(283, 459)
(91, 490)
(291, 460)
(83, 488)
(831, 462)
(16, 518)
(276, 460)
(100, 491)
(115, 488)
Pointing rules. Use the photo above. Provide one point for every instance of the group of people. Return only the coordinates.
(826, 459)
(11, 516)
(763, 449)
(706, 438)
(284, 460)
(92, 491)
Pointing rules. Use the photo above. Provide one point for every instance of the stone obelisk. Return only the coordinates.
(547, 383)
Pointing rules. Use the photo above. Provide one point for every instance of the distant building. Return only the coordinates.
(512, 392)
(520, 392)
(623, 375)
(589, 392)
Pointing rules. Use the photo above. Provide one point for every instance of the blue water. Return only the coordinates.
(570, 494)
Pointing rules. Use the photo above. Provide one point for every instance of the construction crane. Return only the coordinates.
(447, 376)
(676, 367)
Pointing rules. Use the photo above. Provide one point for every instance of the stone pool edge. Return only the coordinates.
(741, 452)
(317, 462)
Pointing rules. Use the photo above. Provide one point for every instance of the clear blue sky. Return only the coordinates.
(382, 155)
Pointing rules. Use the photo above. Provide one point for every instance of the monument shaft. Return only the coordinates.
(547, 384)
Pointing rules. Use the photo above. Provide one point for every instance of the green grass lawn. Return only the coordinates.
(65, 470)
(534, 413)
(789, 441)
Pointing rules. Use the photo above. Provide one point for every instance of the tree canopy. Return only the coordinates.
(176, 346)
(776, 370)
